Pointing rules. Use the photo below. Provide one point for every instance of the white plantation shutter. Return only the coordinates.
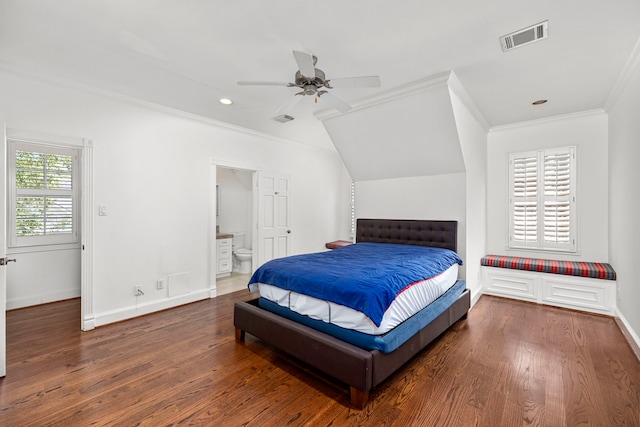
(524, 202)
(558, 197)
(43, 194)
(542, 200)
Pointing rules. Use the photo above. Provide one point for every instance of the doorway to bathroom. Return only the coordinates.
(235, 227)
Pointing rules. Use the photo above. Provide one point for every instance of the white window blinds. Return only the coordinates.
(525, 199)
(557, 198)
(43, 203)
(542, 200)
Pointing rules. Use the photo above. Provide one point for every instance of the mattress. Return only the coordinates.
(410, 301)
(393, 339)
(366, 276)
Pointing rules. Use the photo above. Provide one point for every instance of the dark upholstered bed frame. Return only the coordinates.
(361, 369)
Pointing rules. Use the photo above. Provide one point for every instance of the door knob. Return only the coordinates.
(5, 261)
(288, 232)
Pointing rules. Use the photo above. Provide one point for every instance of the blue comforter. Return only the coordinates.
(365, 276)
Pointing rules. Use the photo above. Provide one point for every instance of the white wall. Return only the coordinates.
(439, 197)
(588, 132)
(624, 197)
(42, 277)
(473, 142)
(151, 171)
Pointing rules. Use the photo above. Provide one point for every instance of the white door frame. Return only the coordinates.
(88, 317)
(213, 169)
(3, 252)
(85, 146)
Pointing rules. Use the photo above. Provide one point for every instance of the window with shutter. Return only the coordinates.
(43, 190)
(542, 200)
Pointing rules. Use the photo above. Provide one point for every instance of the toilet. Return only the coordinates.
(241, 257)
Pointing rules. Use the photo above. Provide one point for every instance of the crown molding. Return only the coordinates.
(551, 119)
(427, 83)
(96, 91)
(630, 68)
(458, 89)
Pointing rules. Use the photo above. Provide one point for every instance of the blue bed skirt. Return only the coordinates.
(385, 343)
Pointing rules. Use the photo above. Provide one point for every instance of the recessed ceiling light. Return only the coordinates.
(539, 102)
(226, 101)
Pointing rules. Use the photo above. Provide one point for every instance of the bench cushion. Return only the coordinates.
(596, 270)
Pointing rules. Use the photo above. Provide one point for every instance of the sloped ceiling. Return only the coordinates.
(407, 131)
(187, 55)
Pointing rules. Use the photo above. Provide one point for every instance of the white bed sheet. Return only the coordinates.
(408, 303)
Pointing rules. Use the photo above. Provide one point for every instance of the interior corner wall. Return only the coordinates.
(473, 143)
(438, 197)
(624, 200)
(588, 132)
(151, 172)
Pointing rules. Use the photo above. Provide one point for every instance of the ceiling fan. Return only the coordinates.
(313, 82)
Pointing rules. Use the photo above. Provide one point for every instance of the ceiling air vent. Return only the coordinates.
(525, 36)
(283, 118)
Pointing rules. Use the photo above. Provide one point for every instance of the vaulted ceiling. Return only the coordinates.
(188, 54)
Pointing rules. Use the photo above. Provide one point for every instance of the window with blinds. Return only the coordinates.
(542, 200)
(43, 194)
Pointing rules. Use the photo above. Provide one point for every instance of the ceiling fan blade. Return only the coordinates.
(335, 102)
(289, 105)
(305, 63)
(364, 81)
(262, 84)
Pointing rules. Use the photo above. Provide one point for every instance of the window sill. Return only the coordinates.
(543, 251)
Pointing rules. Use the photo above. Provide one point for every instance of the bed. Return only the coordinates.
(321, 347)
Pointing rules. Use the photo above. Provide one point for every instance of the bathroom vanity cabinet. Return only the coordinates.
(224, 256)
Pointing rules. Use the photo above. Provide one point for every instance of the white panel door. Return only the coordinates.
(274, 229)
(3, 252)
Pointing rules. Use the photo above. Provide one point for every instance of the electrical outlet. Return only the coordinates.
(160, 284)
(138, 291)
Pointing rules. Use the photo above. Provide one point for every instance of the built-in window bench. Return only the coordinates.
(588, 286)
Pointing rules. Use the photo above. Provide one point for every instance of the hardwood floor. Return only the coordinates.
(510, 363)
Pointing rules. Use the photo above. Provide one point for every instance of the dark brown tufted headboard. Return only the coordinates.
(439, 234)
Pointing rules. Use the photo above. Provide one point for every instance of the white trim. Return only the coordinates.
(628, 330)
(136, 310)
(458, 89)
(625, 77)
(43, 138)
(85, 147)
(551, 119)
(475, 296)
(234, 164)
(427, 83)
(87, 318)
(153, 106)
(213, 219)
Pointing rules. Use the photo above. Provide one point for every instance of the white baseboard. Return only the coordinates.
(475, 296)
(130, 312)
(42, 298)
(628, 332)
